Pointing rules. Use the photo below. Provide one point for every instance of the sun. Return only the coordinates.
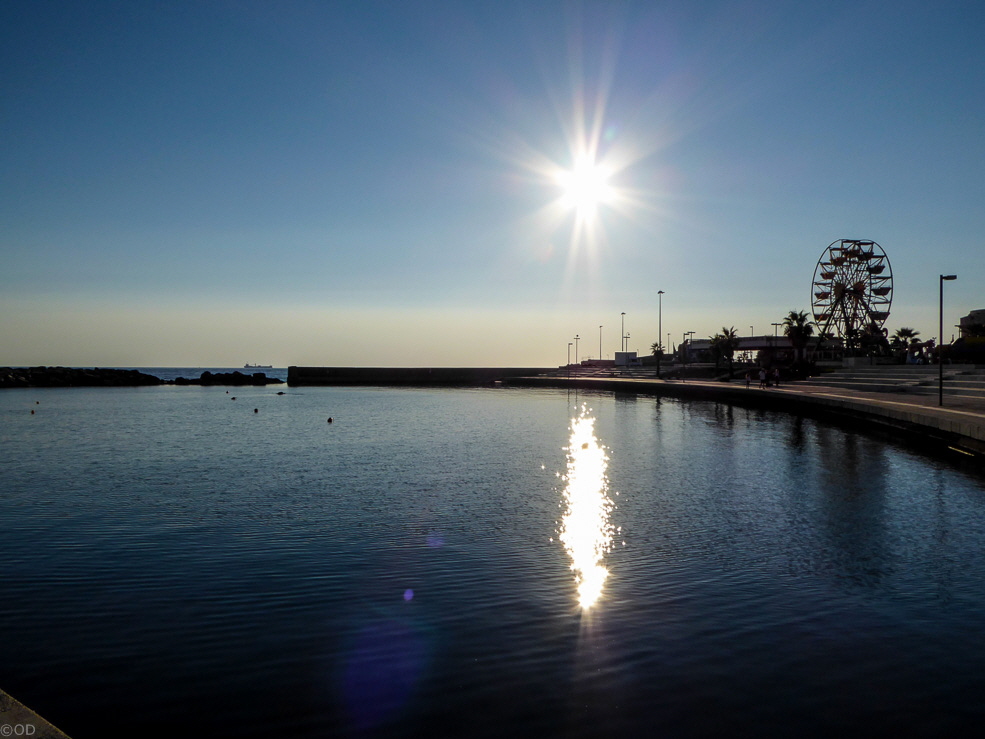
(585, 186)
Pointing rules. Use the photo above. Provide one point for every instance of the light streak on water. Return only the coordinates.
(585, 528)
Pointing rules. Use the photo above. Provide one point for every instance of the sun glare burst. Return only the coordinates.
(585, 187)
(585, 528)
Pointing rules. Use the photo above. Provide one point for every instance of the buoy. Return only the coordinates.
(32, 413)
(233, 398)
(330, 419)
(256, 410)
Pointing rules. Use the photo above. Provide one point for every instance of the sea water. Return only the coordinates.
(224, 562)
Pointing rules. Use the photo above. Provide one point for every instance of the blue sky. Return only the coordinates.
(367, 183)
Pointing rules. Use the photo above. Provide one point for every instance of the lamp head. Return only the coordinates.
(949, 277)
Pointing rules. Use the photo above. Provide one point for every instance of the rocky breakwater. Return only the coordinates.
(72, 377)
(230, 378)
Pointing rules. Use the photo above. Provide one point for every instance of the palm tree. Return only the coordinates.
(724, 344)
(714, 346)
(798, 328)
(656, 351)
(903, 337)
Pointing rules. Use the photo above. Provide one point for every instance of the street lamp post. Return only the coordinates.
(600, 343)
(622, 334)
(576, 348)
(660, 327)
(773, 353)
(940, 344)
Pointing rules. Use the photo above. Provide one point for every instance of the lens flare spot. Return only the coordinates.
(380, 674)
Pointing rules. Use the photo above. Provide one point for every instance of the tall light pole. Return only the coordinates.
(940, 344)
(773, 353)
(569, 356)
(576, 348)
(660, 316)
(622, 334)
(600, 343)
(660, 327)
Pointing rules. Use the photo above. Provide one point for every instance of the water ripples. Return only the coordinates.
(167, 548)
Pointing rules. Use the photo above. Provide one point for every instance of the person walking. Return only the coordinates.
(762, 378)
(776, 377)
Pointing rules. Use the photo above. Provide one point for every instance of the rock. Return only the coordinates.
(230, 378)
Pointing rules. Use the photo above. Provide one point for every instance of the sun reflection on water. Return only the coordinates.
(585, 528)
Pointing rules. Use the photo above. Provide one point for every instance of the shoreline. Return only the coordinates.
(956, 429)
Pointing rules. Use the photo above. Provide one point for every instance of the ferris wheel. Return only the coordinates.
(853, 288)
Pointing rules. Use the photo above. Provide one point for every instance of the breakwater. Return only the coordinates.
(422, 376)
(74, 377)
(13, 377)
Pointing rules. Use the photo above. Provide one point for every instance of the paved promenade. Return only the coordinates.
(957, 427)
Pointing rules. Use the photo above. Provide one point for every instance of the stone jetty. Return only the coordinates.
(72, 377)
(11, 377)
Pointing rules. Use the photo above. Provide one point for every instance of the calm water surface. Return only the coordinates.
(172, 558)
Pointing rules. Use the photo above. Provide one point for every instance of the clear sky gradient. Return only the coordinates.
(371, 183)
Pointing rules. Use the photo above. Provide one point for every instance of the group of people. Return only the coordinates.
(766, 378)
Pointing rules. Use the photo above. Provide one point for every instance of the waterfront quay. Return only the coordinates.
(905, 408)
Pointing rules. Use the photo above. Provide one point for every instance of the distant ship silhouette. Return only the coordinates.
(257, 366)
